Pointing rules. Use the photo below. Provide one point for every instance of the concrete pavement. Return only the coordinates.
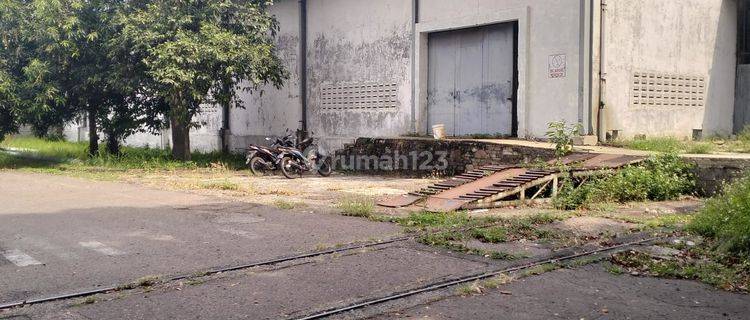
(60, 234)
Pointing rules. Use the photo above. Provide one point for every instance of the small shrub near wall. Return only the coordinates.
(726, 218)
(663, 177)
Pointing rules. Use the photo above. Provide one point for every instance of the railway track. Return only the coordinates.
(212, 271)
(216, 270)
(354, 247)
(467, 279)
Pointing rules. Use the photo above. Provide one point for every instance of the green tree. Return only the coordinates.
(194, 50)
(8, 121)
(72, 37)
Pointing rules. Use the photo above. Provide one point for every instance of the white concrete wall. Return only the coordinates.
(369, 41)
(553, 28)
(358, 41)
(275, 110)
(684, 37)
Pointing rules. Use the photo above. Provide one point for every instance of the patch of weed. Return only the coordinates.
(143, 282)
(469, 289)
(497, 281)
(85, 301)
(437, 220)
(195, 282)
(491, 235)
(701, 148)
(357, 207)
(657, 144)
(288, 205)
(614, 269)
(540, 269)
(224, 185)
(693, 267)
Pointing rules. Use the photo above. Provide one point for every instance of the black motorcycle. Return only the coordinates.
(304, 158)
(263, 160)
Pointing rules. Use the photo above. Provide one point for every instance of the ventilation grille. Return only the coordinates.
(359, 96)
(668, 90)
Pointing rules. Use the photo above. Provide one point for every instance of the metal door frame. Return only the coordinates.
(518, 16)
(514, 77)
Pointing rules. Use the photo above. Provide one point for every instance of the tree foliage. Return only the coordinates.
(131, 65)
(198, 52)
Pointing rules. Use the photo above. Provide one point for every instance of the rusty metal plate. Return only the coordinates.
(399, 201)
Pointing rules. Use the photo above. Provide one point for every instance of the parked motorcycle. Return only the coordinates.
(304, 158)
(262, 160)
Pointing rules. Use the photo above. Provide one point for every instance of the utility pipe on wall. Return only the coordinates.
(302, 56)
(600, 128)
(414, 21)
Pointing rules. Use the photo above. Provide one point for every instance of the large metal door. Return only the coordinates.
(470, 80)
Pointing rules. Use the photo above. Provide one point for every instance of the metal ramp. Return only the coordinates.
(483, 190)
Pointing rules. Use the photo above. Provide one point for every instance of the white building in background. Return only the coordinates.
(385, 68)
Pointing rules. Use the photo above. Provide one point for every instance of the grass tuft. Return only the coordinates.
(357, 207)
(224, 185)
(288, 205)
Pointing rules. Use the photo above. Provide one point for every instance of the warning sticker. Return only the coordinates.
(558, 66)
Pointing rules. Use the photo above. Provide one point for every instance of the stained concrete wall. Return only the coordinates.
(270, 111)
(353, 42)
(675, 37)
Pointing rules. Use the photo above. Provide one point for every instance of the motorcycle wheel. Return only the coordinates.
(258, 166)
(288, 168)
(325, 168)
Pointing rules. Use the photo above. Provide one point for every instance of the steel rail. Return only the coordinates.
(212, 271)
(466, 279)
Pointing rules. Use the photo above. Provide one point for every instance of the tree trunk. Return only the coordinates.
(113, 144)
(180, 139)
(93, 136)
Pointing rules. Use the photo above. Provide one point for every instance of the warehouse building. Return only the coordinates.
(384, 68)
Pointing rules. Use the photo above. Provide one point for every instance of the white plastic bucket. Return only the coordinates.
(438, 131)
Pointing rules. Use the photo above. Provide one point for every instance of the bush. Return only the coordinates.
(726, 218)
(659, 178)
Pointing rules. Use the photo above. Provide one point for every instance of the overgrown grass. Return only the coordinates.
(288, 205)
(739, 144)
(357, 207)
(224, 185)
(37, 152)
(726, 218)
(660, 178)
(696, 265)
(451, 230)
(657, 144)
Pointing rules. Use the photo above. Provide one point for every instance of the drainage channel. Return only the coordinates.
(212, 271)
(467, 279)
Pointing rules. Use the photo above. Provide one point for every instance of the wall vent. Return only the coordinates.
(359, 96)
(668, 90)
